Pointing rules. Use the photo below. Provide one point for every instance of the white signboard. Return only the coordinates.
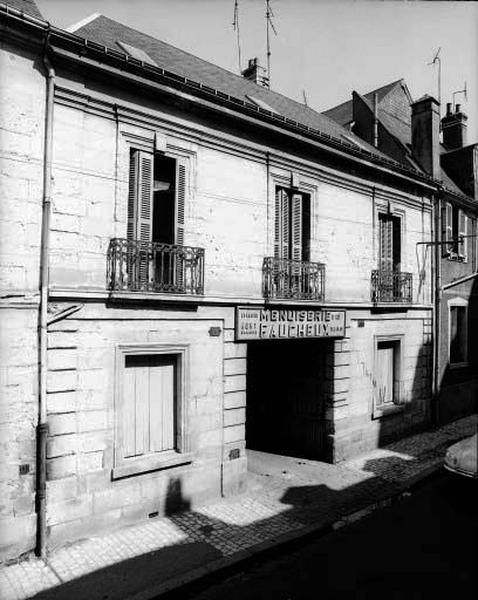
(271, 324)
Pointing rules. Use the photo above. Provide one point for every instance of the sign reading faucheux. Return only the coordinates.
(269, 324)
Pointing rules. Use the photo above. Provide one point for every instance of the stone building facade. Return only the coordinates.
(399, 125)
(221, 276)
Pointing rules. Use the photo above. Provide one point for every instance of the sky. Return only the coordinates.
(323, 48)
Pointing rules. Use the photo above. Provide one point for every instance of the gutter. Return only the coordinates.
(42, 426)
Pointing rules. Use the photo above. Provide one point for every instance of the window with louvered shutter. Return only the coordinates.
(447, 229)
(386, 243)
(292, 225)
(389, 242)
(462, 233)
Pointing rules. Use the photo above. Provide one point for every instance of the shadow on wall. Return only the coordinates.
(458, 394)
(411, 413)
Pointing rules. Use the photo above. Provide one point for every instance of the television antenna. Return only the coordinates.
(463, 91)
(235, 25)
(437, 60)
(269, 25)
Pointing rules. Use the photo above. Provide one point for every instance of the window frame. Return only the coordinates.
(390, 209)
(384, 409)
(451, 249)
(125, 467)
(458, 303)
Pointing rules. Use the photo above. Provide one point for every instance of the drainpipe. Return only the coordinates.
(42, 427)
(437, 315)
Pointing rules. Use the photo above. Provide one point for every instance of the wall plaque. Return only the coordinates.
(271, 324)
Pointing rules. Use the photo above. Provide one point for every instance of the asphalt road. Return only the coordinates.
(425, 546)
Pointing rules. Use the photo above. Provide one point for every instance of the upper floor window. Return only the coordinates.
(454, 232)
(157, 185)
(390, 242)
(292, 225)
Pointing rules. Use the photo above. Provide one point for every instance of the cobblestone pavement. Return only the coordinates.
(285, 496)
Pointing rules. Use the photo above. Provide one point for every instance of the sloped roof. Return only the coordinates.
(343, 113)
(108, 32)
(27, 6)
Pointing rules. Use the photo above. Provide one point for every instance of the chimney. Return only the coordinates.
(426, 135)
(454, 128)
(254, 72)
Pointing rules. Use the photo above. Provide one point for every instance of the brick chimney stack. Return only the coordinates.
(454, 128)
(426, 135)
(254, 72)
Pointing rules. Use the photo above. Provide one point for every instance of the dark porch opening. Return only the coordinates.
(286, 389)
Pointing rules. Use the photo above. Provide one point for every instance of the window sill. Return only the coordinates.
(139, 466)
(457, 258)
(385, 411)
(461, 365)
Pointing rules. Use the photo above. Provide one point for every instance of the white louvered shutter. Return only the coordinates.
(144, 215)
(132, 195)
(386, 244)
(449, 228)
(282, 220)
(180, 201)
(297, 218)
(462, 233)
(145, 197)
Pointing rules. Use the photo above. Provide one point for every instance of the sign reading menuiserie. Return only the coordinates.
(271, 324)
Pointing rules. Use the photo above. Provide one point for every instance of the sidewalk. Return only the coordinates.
(286, 499)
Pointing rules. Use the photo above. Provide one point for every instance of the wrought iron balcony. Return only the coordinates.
(283, 278)
(391, 286)
(138, 266)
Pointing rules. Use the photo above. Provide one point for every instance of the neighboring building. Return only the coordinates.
(227, 268)
(410, 133)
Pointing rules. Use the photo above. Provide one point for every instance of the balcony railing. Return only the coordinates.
(293, 279)
(138, 266)
(391, 286)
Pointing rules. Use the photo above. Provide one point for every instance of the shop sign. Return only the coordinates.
(271, 324)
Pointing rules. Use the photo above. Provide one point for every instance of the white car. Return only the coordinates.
(462, 457)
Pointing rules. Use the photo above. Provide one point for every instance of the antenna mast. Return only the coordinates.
(437, 59)
(463, 91)
(269, 25)
(235, 26)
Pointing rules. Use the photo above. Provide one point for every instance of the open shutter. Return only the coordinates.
(180, 201)
(448, 229)
(132, 194)
(462, 233)
(297, 217)
(144, 226)
(145, 197)
(281, 230)
(386, 243)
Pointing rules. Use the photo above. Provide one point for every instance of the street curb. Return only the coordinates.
(219, 568)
